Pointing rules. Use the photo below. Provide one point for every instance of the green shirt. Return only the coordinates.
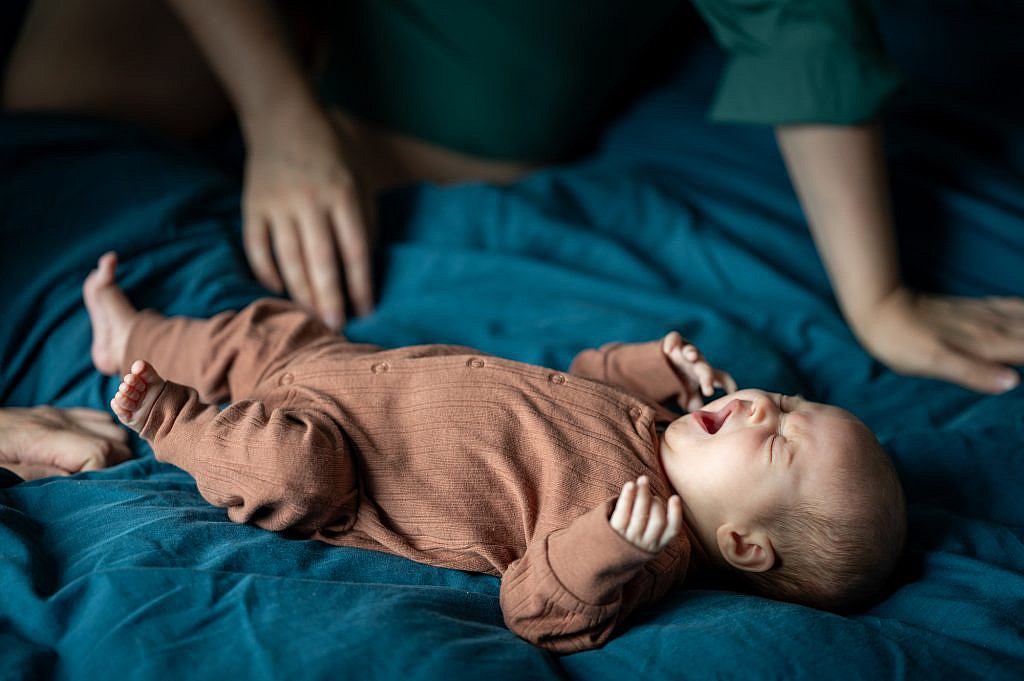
(529, 79)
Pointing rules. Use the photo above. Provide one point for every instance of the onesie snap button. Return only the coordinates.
(557, 378)
(379, 368)
(286, 379)
(634, 412)
(475, 363)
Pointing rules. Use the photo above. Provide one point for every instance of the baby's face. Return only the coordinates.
(751, 452)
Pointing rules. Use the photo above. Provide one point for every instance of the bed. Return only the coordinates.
(669, 223)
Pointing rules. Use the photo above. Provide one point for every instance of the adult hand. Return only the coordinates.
(305, 214)
(41, 441)
(968, 341)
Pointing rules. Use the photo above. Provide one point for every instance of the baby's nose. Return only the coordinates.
(746, 409)
(758, 409)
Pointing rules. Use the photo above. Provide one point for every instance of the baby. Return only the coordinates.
(585, 495)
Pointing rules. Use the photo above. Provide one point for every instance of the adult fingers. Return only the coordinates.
(973, 372)
(85, 414)
(996, 342)
(105, 428)
(368, 201)
(116, 437)
(34, 471)
(354, 246)
(256, 238)
(325, 280)
(290, 260)
(1009, 305)
(990, 328)
(119, 452)
(76, 450)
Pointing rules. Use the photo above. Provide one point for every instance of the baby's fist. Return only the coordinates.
(641, 519)
(697, 377)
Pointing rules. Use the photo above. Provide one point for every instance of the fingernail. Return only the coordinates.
(1008, 380)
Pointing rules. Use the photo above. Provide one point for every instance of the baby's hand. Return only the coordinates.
(641, 519)
(695, 374)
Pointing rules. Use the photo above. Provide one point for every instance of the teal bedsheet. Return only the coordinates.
(128, 573)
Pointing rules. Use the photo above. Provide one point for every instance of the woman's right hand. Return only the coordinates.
(42, 441)
(306, 219)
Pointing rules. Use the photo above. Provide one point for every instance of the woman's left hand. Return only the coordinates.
(968, 341)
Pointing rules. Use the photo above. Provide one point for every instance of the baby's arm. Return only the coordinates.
(278, 468)
(657, 370)
(573, 586)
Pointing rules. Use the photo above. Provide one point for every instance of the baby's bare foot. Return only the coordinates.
(137, 394)
(110, 312)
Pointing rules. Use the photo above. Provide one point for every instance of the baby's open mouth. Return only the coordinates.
(712, 421)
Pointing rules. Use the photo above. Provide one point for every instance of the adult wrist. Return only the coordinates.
(291, 110)
(863, 317)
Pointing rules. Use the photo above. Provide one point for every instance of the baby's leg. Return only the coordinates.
(226, 356)
(136, 395)
(111, 314)
(279, 468)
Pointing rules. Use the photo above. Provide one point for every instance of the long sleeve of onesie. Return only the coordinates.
(573, 586)
(641, 368)
(279, 468)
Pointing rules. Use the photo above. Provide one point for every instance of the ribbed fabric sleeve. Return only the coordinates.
(799, 61)
(566, 593)
(640, 368)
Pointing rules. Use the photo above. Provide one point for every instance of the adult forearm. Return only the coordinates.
(248, 49)
(840, 177)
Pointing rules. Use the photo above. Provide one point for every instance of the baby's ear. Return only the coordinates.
(746, 548)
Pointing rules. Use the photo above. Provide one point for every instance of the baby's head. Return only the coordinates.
(795, 498)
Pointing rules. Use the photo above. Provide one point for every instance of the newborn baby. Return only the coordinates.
(580, 490)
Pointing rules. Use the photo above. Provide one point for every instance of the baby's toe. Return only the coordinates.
(126, 401)
(145, 371)
(123, 414)
(129, 392)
